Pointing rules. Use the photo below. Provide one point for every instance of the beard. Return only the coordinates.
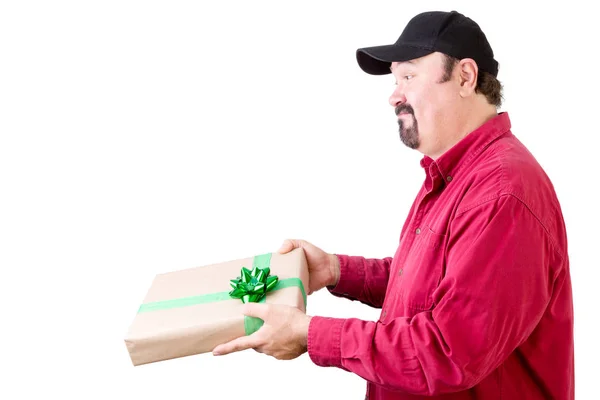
(408, 128)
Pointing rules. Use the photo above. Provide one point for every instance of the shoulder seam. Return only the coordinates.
(516, 196)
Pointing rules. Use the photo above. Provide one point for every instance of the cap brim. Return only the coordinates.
(377, 60)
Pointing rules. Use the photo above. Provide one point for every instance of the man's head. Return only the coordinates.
(445, 76)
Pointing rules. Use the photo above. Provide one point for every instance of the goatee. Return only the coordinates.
(409, 132)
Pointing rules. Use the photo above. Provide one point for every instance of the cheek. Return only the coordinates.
(420, 103)
(427, 106)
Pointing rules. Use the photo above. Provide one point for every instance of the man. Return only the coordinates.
(476, 302)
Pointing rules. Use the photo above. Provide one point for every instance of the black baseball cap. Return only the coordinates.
(450, 33)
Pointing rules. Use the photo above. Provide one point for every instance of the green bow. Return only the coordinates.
(252, 285)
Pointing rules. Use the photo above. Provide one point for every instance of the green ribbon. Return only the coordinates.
(252, 287)
(251, 324)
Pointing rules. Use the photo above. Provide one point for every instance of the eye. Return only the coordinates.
(405, 78)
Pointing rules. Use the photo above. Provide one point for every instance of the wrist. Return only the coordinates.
(304, 332)
(334, 267)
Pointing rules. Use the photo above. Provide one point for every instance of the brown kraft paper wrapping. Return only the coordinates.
(183, 331)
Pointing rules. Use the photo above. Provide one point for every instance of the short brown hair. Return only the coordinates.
(487, 84)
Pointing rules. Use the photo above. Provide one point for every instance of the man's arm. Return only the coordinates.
(362, 279)
(487, 304)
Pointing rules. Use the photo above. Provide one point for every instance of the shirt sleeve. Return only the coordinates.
(362, 279)
(499, 280)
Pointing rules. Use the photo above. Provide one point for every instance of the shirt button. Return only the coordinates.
(449, 178)
(418, 231)
(400, 272)
(384, 314)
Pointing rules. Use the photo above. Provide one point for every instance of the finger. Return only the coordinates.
(258, 310)
(289, 245)
(286, 246)
(239, 344)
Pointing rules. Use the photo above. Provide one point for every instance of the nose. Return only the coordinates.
(397, 97)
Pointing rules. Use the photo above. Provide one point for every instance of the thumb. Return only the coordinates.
(288, 245)
(258, 310)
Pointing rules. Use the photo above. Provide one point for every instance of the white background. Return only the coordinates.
(140, 137)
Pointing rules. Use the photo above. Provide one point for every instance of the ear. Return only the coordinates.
(468, 72)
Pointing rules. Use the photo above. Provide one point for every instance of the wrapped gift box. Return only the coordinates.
(191, 311)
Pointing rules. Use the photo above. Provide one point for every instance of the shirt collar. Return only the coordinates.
(449, 164)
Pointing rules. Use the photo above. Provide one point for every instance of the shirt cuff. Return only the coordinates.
(324, 339)
(352, 277)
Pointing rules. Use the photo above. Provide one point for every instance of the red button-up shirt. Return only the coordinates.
(476, 302)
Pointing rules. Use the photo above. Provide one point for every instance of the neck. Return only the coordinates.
(469, 121)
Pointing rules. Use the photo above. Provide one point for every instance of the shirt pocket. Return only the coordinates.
(422, 270)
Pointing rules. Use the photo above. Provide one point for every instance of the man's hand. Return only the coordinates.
(323, 268)
(283, 335)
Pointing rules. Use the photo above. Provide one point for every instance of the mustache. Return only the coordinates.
(404, 108)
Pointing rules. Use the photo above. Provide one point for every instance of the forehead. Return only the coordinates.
(396, 64)
(428, 61)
